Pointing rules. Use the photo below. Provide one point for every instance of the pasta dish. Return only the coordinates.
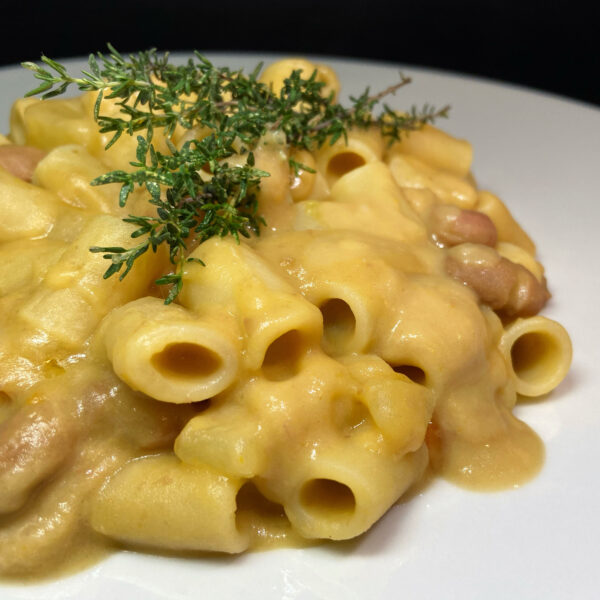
(384, 323)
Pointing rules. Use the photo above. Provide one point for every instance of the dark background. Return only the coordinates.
(545, 45)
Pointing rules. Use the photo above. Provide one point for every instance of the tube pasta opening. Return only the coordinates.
(363, 146)
(414, 373)
(347, 321)
(284, 355)
(327, 498)
(250, 498)
(186, 360)
(263, 521)
(339, 323)
(534, 355)
(343, 163)
(539, 353)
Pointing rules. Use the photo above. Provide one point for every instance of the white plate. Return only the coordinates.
(541, 154)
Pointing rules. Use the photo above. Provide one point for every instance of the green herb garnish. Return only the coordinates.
(193, 205)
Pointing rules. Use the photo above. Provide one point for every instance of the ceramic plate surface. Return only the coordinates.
(541, 155)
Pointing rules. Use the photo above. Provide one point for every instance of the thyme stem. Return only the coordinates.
(192, 206)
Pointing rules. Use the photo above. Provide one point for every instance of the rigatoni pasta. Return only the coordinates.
(383, 323)
(172, 356)
(538, 351)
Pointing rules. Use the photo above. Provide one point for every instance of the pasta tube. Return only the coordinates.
(539, 353)
(161, 502)
(275, 74)
(169, 353)
(228, 438)
(329, 497)
(68, 171)
(410, 172)
(279, 326)
(438, 149)
(361, 147)
(74, 296)
(506, 226)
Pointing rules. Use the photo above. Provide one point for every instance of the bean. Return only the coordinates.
(20, 161)
(505, 286)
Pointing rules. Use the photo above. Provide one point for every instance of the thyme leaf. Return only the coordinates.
(196, 192)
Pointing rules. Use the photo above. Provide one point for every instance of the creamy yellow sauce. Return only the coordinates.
(304, 381)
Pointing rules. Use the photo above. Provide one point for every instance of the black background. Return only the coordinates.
(544, 45)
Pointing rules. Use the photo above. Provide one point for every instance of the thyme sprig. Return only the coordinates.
(197, 193)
